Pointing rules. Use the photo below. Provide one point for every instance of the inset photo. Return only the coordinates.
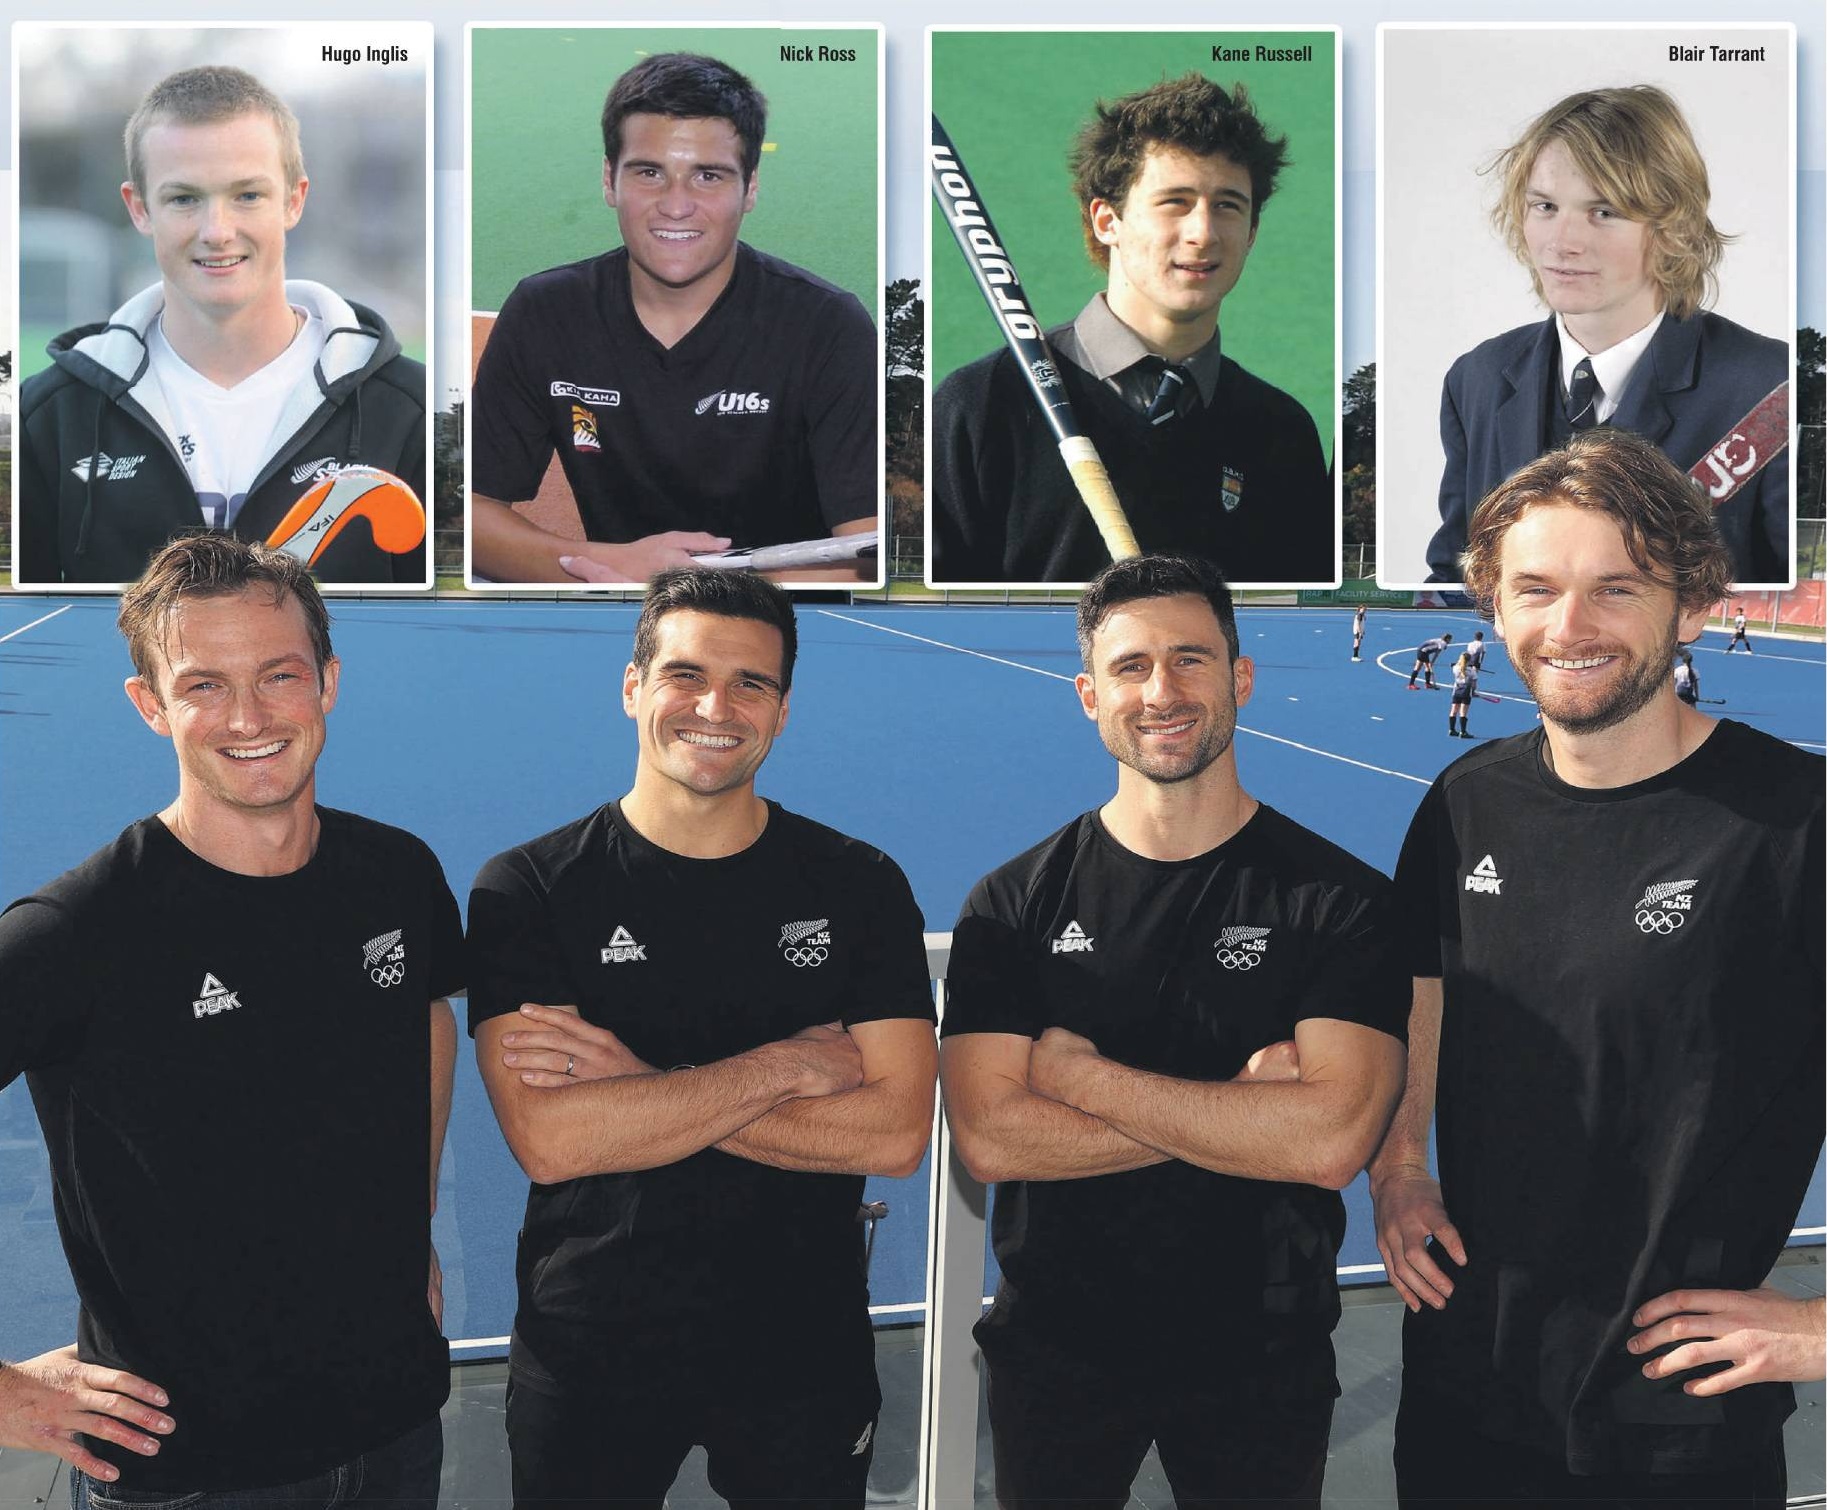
(1134, 275)
(224, 300)
(1583, 226)
(675, 295)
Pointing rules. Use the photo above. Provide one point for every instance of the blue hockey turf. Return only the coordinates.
(951, 738)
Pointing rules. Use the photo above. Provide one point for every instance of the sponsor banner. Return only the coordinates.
(1357, 590)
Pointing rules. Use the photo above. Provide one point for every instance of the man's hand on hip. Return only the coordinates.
(1763, 1334)
(48, 1401)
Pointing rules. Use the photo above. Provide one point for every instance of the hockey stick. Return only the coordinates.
(839, 550)
(393, 511)
(1001, 287)
(1720, 701)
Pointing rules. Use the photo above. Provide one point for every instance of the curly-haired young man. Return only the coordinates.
(1208, 460)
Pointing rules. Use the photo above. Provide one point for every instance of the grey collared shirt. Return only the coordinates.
(1114, 354)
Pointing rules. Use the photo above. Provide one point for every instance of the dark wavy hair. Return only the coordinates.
(1191, 113)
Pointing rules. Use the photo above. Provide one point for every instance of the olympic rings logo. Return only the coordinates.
(1238, 959)
(1659, 922)
(804, 957)
(388, 975)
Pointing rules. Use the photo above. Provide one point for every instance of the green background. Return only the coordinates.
(536, 148)
(1014, 101)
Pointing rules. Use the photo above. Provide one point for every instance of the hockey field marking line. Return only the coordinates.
(942, 645)
(41, 619)
(1804, 744)
(1410, 650)
(1757, 655)
(1362, 765)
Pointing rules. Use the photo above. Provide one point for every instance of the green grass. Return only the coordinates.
(1012, 103)
(536, 196)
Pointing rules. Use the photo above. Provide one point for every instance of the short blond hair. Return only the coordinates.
(203, 96)
(1634, 146)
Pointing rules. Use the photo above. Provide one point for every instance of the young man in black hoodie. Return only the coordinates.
(218, 396)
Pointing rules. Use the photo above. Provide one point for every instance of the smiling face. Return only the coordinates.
(1590, 263)
(679, 197)
(238, 693)
(1591, 634)
(1162, 687)
(1178, 240)
(217, 207)
(710, 704)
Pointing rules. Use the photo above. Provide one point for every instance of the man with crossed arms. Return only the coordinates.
(1165, 1217)
(743, 1030)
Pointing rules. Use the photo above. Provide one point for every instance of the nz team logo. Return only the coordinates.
(728, 401)
(1664, 908)
(384, 958)
(1241, 948)
(583, 430)
(806, 945)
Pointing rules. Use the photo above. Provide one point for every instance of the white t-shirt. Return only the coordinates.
(226, 435)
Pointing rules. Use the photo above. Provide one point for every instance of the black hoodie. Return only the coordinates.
(102, 489)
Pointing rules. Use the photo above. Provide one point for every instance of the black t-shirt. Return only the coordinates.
(760, 424)
(1173, 1273)
(715, 1274)
(233, 1077)
(1630, 1084)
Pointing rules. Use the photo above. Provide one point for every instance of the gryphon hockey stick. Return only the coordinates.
(1001, 288)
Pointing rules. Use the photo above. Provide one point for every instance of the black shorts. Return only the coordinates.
(811, 1452)
(1462, 696)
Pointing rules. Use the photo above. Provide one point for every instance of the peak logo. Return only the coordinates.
(214, 998)
(1072, 940)
(622, 948)
(1484, 878)
(728, 401)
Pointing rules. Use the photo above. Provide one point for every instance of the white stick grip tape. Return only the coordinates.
(1093, 484)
